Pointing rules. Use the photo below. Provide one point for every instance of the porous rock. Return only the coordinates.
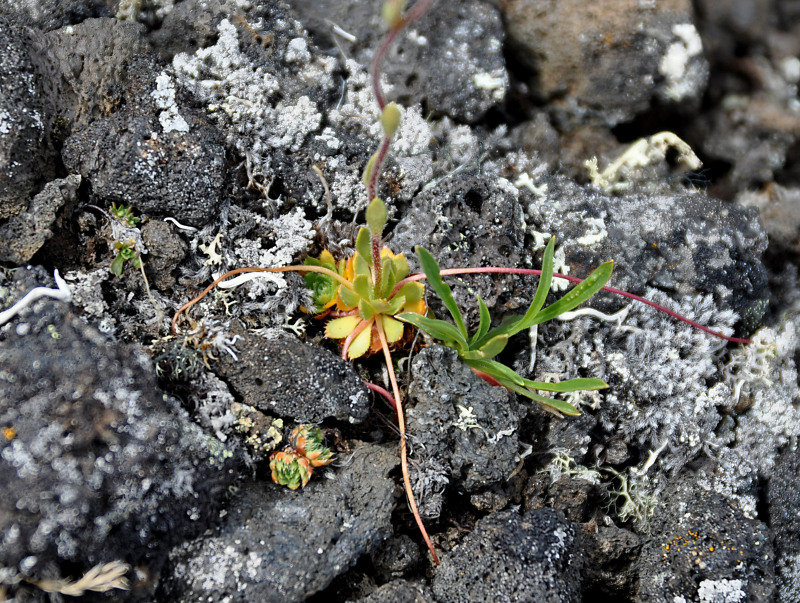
(684, 243)
(135, 160)
(703, 548)
(784, 507)
(470, 221)
(24, 234)
(165, 250)
(512, 557)
(619, 57)
(280, 546)
(26, 157)
(96, 464)
(287, 377)
(459, 423)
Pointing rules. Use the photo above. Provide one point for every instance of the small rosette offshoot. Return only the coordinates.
(479, 350)
(290, 469)
(309, 441)
(370, 301)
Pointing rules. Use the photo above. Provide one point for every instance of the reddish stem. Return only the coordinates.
(383, 392)
(573, 279)
(486, 377)
(380, 158)
(401, 425)
(359, 327)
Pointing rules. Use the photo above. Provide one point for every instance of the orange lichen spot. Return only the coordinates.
(9, 433)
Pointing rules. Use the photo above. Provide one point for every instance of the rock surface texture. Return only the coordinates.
(149, 147)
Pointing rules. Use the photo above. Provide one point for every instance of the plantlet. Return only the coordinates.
(124, 213)
(290, 469)
(293, 467)
(308, 441)
(486, 343)
(126, 251)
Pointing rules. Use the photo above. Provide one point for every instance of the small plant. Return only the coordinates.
(374, 298)
(294, 465)
(486, 343)
(126, 251)
(290, 469)
(370, 301)
(124, 213)
(308, 441)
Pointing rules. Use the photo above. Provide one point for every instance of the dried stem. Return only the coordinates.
(401, 424)
(319, 269)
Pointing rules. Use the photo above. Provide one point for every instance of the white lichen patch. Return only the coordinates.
(293, 123)
(595, 231)
(674, 64)
(359, 113)
(164, 97)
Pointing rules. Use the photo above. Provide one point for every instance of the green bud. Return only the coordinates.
(390, 119)
(377, 216)
(392, 12)
(368, 170)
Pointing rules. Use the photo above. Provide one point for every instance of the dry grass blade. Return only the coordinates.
(100, 578)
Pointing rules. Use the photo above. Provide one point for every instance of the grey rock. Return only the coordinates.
(683, 243)
(451, 60)
(779, 209)
(703, 547)
(610, 568)
(165, 250)
(287, 377)
(511, 557)
(52, 14)
(26, 156)
(93, 65)
(396, 557)
(276, 545)
(24, 234)
(620, 57)
(132, 159)
(784, 514)
(459, 424)
(399, 591)
(98, 465)
(471, 221)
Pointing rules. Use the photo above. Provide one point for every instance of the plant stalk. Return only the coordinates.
(401, 424)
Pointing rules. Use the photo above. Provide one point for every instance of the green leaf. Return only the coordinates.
(412, 292)
(364, 245)
(362, 286)
(349, 297)
(366, 309)
(339, 328)
(570, 385)
(376, 210)
(559, 405)
(117, 264)
(578, 294)
(497, 370)
(484, 323)
(442, 289)
(488, 350)
(513, 325)
(438, 329)
(388, 280)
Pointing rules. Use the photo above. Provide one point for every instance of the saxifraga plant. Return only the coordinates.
(372, 301)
